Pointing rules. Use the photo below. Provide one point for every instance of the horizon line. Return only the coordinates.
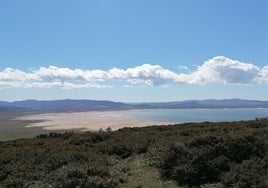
(131, 102)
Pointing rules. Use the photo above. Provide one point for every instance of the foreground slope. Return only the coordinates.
(223, 154)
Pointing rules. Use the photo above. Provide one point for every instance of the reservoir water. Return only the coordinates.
(194, 115)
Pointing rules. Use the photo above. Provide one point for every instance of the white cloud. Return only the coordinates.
(182, 67)
(263, 75)
(224, 70)
(219, 70)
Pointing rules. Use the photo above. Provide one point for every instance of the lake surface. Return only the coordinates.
(193, 115)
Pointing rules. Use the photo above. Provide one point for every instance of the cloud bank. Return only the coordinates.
(220, 70)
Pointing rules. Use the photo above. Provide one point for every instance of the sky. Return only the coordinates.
(133, 50)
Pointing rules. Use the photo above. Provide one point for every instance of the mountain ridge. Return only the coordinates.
(91, 105)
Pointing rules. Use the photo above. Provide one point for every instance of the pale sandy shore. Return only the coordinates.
(85, 121)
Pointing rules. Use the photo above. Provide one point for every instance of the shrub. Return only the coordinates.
(250, 173)
(121, 150)
(205, 159)
(97, 170)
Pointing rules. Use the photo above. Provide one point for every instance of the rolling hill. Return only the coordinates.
(91, 105)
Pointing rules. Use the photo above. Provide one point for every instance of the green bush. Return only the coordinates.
(205, 159)
(249, 173)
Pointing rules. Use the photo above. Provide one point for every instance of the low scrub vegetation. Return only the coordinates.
(227, 154)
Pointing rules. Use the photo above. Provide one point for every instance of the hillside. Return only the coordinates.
(205, 154)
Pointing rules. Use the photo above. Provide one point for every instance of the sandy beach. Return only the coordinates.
(84, 121)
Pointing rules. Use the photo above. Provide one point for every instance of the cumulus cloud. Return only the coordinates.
(224, 70)
(219, 70)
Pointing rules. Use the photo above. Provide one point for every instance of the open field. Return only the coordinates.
(13, 129)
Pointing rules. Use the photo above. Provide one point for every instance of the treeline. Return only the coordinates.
(205, 154)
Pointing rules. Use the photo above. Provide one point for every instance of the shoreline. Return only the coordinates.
(96, 120)
(85, 121)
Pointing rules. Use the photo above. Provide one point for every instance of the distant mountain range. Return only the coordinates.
(210, 103)
(63, 105)
(68, 105)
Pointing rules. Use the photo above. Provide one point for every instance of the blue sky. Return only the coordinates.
(164, 50)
